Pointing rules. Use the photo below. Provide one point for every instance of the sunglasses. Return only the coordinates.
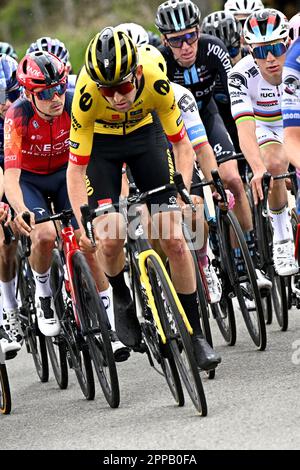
(233, 51)
(123, 88)
(48, 94)
(9, 95)
(189, 38)
(261, 52)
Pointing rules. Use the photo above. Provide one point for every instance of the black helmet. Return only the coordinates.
(223, 25)
(110, 57)
(154, 39)
(177, 15)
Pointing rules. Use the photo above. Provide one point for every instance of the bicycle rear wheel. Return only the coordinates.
(94, 323)
(177, 336)
(5, 397)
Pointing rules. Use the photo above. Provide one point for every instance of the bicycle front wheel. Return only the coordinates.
(178, 337)
(94, 323)
(5, 397)
(246, 290)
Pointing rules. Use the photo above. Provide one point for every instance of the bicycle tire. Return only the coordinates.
(34, 338)
(76, 349)
(202, 301)
(278, 291)
(257, 330)
(178, 337)
(280, 302)
(56, 345)
(223, 313)
(5, 396)
(161, 352)
(94, 323)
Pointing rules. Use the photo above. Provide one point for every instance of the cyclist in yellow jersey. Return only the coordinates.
(119, 107)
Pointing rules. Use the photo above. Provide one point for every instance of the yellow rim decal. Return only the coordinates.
(144, 278)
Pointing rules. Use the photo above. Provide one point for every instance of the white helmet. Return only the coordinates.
(136, 32)
(265, 26)
(294, 27)
(243, 7)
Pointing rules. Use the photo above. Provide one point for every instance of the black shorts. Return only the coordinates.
(216, 131)
(39, 189)
(147, 153)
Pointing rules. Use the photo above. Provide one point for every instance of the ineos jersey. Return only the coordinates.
(34, 144)
(212, 60)
(291, 87)
(252, 97)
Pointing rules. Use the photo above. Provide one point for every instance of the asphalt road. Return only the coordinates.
(253, 403)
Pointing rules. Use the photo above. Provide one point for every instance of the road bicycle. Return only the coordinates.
(165, 328)
(84, 323)
(223, 229)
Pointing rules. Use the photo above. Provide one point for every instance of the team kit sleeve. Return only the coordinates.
(165, 105)
(291, 87)
(83, 115)
(221, 59)
(14, 127)
(191, 117)
(241, 104)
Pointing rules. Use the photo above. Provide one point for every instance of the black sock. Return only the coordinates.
(190, 306)
(250, 239)
(119, 286)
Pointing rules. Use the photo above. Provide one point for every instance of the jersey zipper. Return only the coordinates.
(51, 132)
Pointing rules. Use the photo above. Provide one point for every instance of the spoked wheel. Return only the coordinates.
(5, 397)
(94, 322)
(201, 295)
(58, 358)
(246, 289)
(163, 356)
(69, 346)
(223, 313)
(37, 345)
(34, 338)
(177, 336)
(280, 301)
(56, 345)
(80, 360)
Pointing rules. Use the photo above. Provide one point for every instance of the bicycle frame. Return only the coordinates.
(143, 251)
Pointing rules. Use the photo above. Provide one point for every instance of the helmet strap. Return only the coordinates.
(42, 112)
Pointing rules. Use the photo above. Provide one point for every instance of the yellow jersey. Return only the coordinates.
(92, 113)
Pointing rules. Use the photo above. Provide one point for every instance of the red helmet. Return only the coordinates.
(40, 69)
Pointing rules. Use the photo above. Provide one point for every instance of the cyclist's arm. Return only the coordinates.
(77, 189)
(184, 159)
(291, 105)
(292, 145)
(206, 160)
(13, 189)
(1, 184)
(249, 145)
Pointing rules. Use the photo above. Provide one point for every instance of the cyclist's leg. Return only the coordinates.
(229, 172)
(276, 162)
(152, 166)
(104, 175)
(35, 190)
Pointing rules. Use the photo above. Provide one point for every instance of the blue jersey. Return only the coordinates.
(291, 87)
(1, 142)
